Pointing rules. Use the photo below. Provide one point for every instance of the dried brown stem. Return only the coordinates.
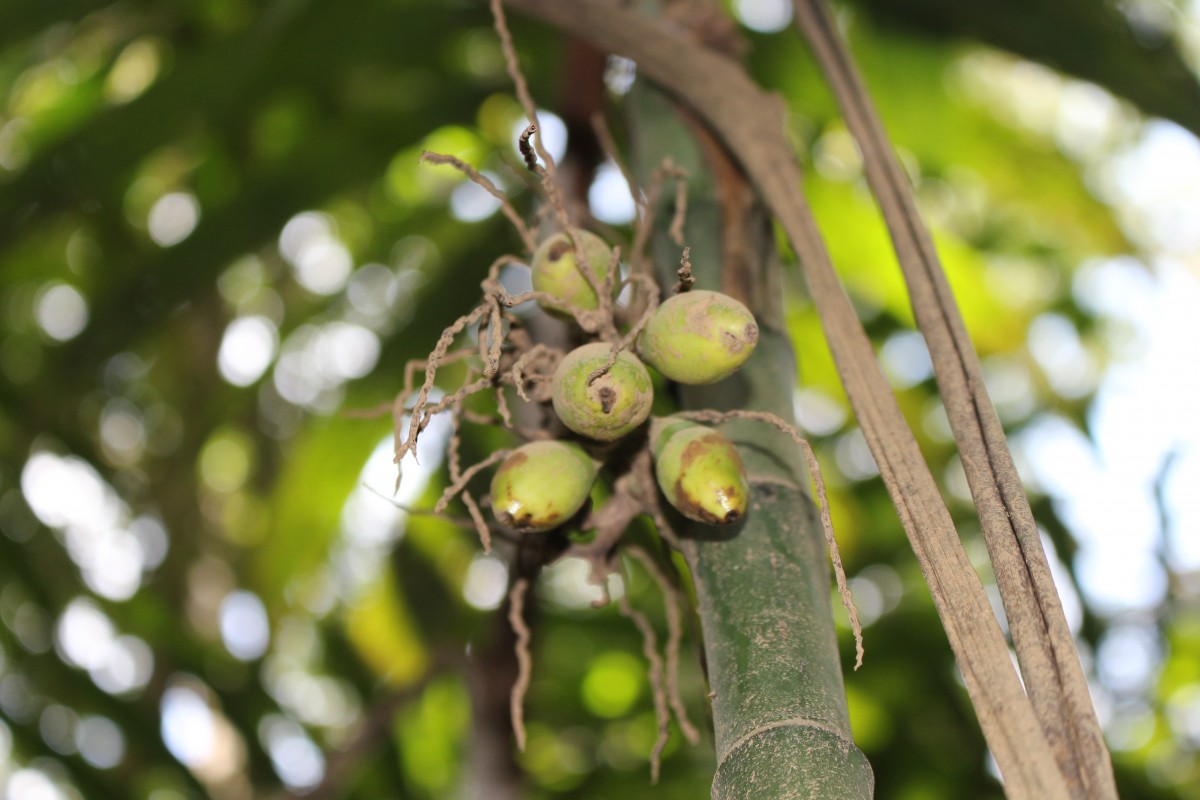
(606, 291)
(609, 148)
(483, 338)
(675, 231)
(540, 355)
(602, 318)
(449, 400)
(467, 474)
(516, 618)
(454, 456)
(650, 501)
(613, 518)
(686, 281)
(454, 461)
(635, 330)
(661, 523)
(460, 522)
(481, 526)
(482, 181)
(502, 408)
(672, 602)
(835, 555)
(652, 297)
(526, 149)
(491, 284)
(589, 321)
(653, 191)
(528, 434)
(549, 172)
(494, 340)
(435, 359)
(657, 685)
(396, 405)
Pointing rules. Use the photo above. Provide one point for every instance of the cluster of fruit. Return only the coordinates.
(604, 393)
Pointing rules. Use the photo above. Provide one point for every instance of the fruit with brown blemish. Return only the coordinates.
(610, 406)
(699, 337)
(699, 470)
(541, 485)
(557, 271)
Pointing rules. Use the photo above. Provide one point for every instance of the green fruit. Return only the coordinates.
(699, 337)
(556, 271)
(700, 472)
(541, 485)
(610, 407)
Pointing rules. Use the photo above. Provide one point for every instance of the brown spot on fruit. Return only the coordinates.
(694, 450)
(608, 398)
(684, 503)
(525, 523)
(558, 250)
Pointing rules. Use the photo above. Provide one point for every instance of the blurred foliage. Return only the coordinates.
(215, 238)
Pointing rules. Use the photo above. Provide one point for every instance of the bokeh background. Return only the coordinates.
(215, 238)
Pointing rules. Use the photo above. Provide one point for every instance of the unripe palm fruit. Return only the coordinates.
(700, 472)
(541, 485)
(610, 407)
(699, 337)
(557, 272)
